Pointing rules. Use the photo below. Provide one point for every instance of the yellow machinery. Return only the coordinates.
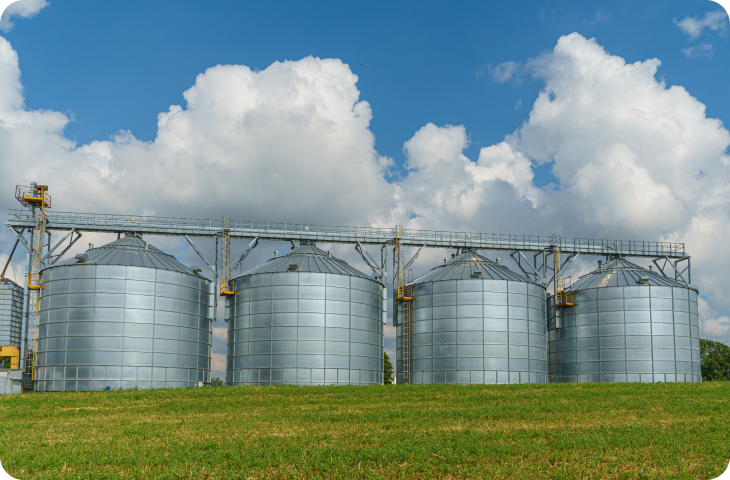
(13, 353)
(227, 285)
(404, 294)
(35, 197)
(562, 298)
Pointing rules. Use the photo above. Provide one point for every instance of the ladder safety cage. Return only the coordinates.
(404, 294)
(227, 285)
(562, 298)
(36, 198)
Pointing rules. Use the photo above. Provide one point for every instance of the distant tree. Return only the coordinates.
(217, 382)
(715, 358)
(6, 363)
(387, 370)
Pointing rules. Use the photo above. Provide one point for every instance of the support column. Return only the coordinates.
(26, 301)
(384, 270)
(215, 282)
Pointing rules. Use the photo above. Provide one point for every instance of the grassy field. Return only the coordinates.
(508, 431)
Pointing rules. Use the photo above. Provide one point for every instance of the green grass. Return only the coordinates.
(508, 431)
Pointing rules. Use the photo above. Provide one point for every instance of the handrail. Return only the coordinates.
(284, 231)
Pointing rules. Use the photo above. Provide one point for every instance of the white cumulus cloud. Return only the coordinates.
(288, 143)
(703, 50)
(503, 72)
(694, 26)
(635, 159)
(19, 8)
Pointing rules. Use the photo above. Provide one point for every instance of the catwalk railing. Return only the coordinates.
(146, 225)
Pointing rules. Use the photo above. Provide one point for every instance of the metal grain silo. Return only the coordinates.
(629, 324)
(11, 317)
(474, 321)
(305, 318)
(123, 315)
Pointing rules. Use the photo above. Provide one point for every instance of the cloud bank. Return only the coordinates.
(633, 158)
(20, 8)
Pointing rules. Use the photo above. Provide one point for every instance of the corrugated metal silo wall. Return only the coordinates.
(626, 334)
(11, 314)
(122, 327)
(305, 328)
(476, 331)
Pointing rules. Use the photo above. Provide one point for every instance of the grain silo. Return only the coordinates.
(474, 321)
(123, 315)
(11, 319)
(305, 318)
(628, 324)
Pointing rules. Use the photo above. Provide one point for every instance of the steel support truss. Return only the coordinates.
(681, 272)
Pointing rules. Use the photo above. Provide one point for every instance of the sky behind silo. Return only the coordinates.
(587, 119)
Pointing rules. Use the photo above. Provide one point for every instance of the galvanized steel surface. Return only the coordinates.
(307, 258)
(305, 327)
(11, 313)
(114, 325)
(620, 273)
(132, 251)
(470, 330)
(624, 331)
(464, 266)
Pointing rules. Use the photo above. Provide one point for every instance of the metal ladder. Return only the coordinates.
(227, 287)
(404, 295)
(562, 298)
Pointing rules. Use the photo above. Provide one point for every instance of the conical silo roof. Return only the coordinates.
(619, 272)
(131, 251)
(463, 267)
(308, 258)
(7, 281)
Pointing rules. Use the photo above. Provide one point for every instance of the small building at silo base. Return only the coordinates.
(628, 324)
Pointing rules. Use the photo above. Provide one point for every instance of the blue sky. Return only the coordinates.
(502, 117)
(116, 65)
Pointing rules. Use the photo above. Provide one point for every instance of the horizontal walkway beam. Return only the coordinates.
(172, 226)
